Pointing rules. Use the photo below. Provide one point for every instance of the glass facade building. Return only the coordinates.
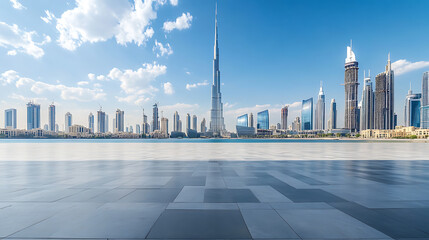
(412, 109)
(243, 121)
(424, 111)
(307, 114)
(263, 120)
(33, 116)
(10, 118)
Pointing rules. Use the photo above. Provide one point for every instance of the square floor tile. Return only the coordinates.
(267, 224)
(154, 195)
(229, 195)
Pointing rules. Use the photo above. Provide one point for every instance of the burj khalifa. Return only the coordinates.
(217, 125)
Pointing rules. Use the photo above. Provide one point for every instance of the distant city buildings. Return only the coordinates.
(164, 125)
(68, 122)
(101, 121)
(307, 114)
(296, 124)
(367, 106)
(203, 126)
(10, 118)
(91, 122)
(284, 114)
(155, 118)
(333, 115)
(194, 123)
(263, 120)
(51, 116)
(251, 120)
(412, 109)
(120, 121)
(319, 122)
(351, 120)
(384, 100)
(176, 122)
(33, 116)
(424, 110)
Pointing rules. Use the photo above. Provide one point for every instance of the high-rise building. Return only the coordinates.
(243, 120)
(106, 123)
(296, 124)
(384, 99)
(333, 115)
(120, 121)
(155, 118)
(424, 110)
(131, 129)
(194, 122)
(412, 109)
(10, 118)
(188, 121)
(203, 126)
(307, 114)
(52, 114)
(68, 122)
(263, 120)
(101, 121)
(138, 129)
(251, 120)
(284, 113)
(243, 128)
(114, 125)
(180, 125)
(319, 122)
(351, 120)
(46, 127)
(176, 119)
(33, 116)
(164, 125)
(91, 122)
(217, 125)
(57, 128)
(146, 125)
(367, 104)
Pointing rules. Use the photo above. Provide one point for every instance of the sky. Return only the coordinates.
(130, 54)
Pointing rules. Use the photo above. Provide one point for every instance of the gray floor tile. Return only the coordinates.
(267, 224)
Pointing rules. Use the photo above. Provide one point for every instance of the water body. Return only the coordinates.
(209, 149)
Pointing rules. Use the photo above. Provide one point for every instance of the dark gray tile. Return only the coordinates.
(267, 224)
(229, 196)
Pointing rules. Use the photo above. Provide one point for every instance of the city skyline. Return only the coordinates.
(174, 88)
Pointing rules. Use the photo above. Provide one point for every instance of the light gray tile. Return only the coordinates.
(268, 194)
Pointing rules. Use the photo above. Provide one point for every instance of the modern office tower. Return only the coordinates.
(395, 120)
(194, 122)
(180, 125)
(114, 125)
(176, 119)
(203, 126)
(412, 109)
(333, 115)
(319, 121)
(217, 125)
(351, 120)
(57, 128)
(131, 129)
(106, 123)
(120, 121)
(164, 125)
(307, 114)
(91, 122)
(10, 118)
(33, 116)
(188, 121)
(384, 99)
(155, 118)
(296, 124)
(243, 120)
(68, 122)
(284, 113)
(279, 126)
(146, 125)
(101, 121)
(263, 120)
(138, 129)
(251, 120)
(46, 127)
(424, 110)
(51, 120)
(367, 105)
(126, 129)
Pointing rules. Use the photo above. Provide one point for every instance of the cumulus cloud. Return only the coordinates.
(49, 17)
(403, 66)
(38, 87)
(168, 88)
(82, 83)
(11, 36)
(99, 20)
(174, 2)
(17, 5)
(11, 52)
(182, 22)
(162, 50)
(189, 86)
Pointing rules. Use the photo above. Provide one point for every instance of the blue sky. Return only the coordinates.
(130, 54)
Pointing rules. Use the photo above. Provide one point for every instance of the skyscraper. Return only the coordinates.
(284, 113)
(333, 115)
(296, 124)
(106, 123)
(412, 109)
(120, 121)
(101, 121)
(203, 126)
(243, 120)
(251, 120)
(68, 122)
(155, 118)
(217, 125)
(52, 117)
(91, 122)
(367, 106)
(33, 116)
(176, 119)
(138, 129)
(194, 122)
(383, 106)
(263, 120)
(319, 122)
(351, 120)
(424, 110)
(10, 118)
(164, 125)
(307, 114)
(188, 121)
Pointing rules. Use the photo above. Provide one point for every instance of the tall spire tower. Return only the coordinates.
(217, 125)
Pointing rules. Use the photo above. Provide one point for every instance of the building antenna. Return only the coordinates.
(364, 75)
(369, 73)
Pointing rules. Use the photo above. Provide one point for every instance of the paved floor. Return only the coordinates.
(214, 200)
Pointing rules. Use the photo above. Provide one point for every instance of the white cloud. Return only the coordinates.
(161, 49)
(11, 53)
(168, 88)
(82, 83)
(189, 73)
(99, 20)
(174, 2)
(17, 5)
(195, 85)
(19, 40)
(26, 99)
(38, 87)
(49, 17)
(182, 22)
(403, 66)
(91, 76)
